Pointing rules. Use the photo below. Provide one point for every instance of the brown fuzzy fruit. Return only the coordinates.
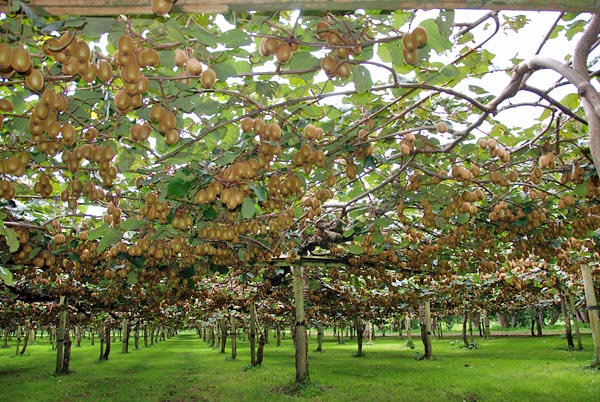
(21, 60)
(161, 7)
(441, 127)
(193, 67)
(284, 53)
(269, 46)
(419, 36)
(409, 56)
(208, 78)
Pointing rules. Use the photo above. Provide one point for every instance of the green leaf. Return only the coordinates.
(580, 190)
(235, 38)
(11, 238)
(355, 249)
(6, 276)
(462, 218)
(132, 224)
(248, 208)
(110, 237)
(436, 40)
(179, 187)
(261, 192)
(98, 232)
(362, 79)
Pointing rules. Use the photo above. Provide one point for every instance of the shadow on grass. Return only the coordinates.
(304, 389)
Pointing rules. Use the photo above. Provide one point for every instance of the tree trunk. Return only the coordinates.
(26, 340)
(278, 335)
(319, 338)
(575, 321)
(407, 325)
(125, 336)
(145, 334)
(67, 347)
(19, 331)
(77, 336)
(260, 353)
(533, 321)
(107, 342)
(592, 307)
(233, 330)
(503, 319)
(301, 339)
(426, 329)
(486, 327)
(565, 312)
(252, 333)
(360, 330)
(540, 321)
(136, 336)
(470, 316)
(101, 334)
(5, 343)
(60, 341)
(464, 330)
(224, 329)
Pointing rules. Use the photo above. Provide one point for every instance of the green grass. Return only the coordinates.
(184, 368)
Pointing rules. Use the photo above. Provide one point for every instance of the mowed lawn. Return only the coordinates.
(185, 368)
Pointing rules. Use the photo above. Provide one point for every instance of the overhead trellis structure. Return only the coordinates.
(111, 7)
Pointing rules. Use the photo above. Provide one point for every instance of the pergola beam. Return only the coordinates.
(115, 7)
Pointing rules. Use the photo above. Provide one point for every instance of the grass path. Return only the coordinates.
(184, 368)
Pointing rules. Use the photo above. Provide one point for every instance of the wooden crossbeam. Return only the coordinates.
(117, 7)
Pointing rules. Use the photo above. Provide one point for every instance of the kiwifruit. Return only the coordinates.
(180, 57)
(131, 73)
(409, 56)
(441, 127)
(161, 7)
(247, 124)
(81, 50)
(104, 70)
(68, 134)
(343, 71)
(126, 45)
(6, 105)
(34, 80)
(408, 42)
(90, 74)
(419, 36)
(172, 136)
(6, 56)
(122, 100)
(148, 58)
(208, 78)
(269, 46)
(329, 65)
(21, 60)
(193, 67)
(284, 53)
(322, 30)
(156, 112)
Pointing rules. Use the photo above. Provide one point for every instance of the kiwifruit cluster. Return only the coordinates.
(414, 182)
(18, 60)
(74, 56)
(462, 174)
(182, 219)
(167, 123)
(411, 41)
(282, 50)
(130, 59)
(194, 68)
(343, 44)
(46, 132)
(155, 210)
(113, 215)
(495, 149)
(407, 144)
